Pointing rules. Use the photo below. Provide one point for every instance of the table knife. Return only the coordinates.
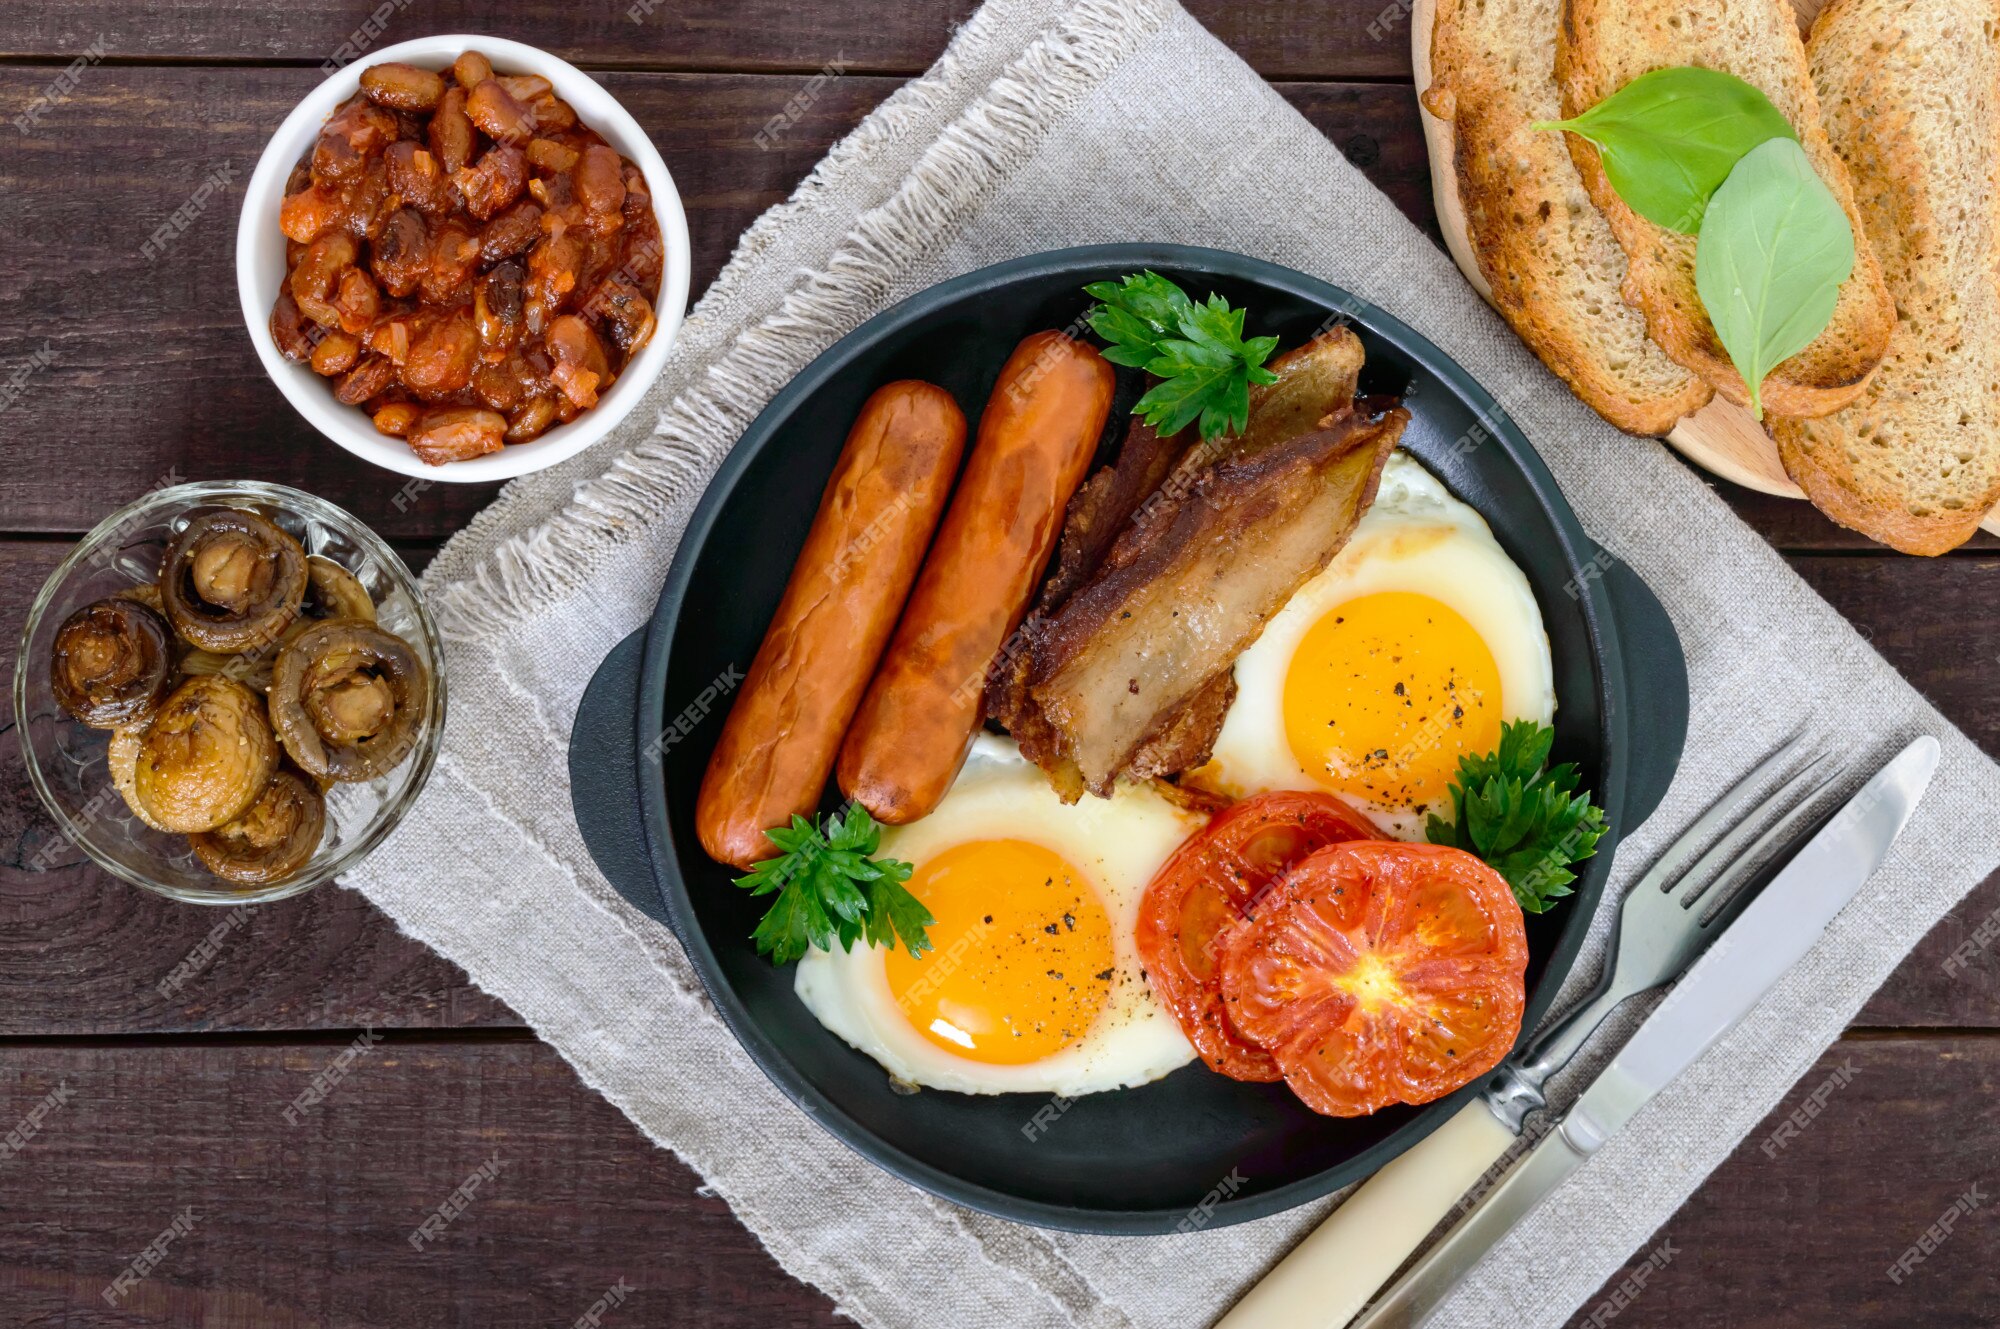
(1773, 933)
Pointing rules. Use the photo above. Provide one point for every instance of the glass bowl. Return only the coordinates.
(66, 759)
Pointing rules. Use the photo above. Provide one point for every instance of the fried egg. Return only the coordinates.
(1405, 654)
(1033, 983)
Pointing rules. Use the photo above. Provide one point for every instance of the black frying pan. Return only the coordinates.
(1137, 1160)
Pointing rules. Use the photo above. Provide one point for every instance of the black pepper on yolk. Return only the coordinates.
(1021, 961)
(1385, 693)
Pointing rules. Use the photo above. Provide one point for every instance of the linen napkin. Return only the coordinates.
(1048, 124)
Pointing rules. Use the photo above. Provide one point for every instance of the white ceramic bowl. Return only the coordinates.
(260, 261)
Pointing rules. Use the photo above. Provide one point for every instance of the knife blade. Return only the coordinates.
(1759, 948)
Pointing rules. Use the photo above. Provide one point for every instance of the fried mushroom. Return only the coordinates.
(232, 581)
(205, 758)
(347, 699)
(272, 840)
(112, 663)
(123, 759)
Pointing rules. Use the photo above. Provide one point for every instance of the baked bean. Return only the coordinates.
(545, 154)
(356, 302)
(511, 234)
(454, 255)
(397, 418)
(401, 254)
(442, 356)
(471, 69)
(310, 213)
(498, 114)
(402, 87)
(313, 280)
(365, 380)
(495, 181)
(498, 307)
(335, 354)
(367, 128)
(290, 330)
(451, 135)
(416, 177)
(457, 434)
(532, 420)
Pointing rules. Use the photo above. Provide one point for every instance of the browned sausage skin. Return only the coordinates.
(1036, 440)
(875, 521)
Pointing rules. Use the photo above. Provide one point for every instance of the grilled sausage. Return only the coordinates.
(864, 549)
(1036, 441)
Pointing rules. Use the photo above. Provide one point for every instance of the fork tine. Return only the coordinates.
(1667, 868)
(1730, 847)
(1729, 882)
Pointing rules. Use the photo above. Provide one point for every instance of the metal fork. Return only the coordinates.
(1683, 901)
(1660, 929)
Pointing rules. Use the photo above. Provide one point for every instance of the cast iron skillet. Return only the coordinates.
(1139, 1160)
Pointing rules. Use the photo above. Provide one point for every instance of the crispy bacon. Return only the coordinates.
(1149, 476)
(1192, 584)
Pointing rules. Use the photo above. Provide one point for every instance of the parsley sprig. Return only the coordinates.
(1198, 351)
(829, 886)
(1522, 816)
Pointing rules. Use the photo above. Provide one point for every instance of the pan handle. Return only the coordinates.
(1656, 691)
(603, 779)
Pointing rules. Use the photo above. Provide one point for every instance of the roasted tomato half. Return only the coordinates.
(1378, 972)
(1210, 883)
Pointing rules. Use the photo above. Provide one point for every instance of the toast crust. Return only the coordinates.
(1549, 257)
(1603, 45)
(1911, 90)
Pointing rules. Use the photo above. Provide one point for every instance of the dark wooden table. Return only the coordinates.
(153, 1105)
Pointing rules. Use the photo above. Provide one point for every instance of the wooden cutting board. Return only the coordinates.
(1722, 437)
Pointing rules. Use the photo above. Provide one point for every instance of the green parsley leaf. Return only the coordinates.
(1524, 818)
(831, 888)
(1198, 351)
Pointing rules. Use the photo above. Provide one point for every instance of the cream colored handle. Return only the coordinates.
(1330, 1276)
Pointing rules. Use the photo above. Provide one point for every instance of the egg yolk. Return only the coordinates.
(1385, 693)
(1021, 958)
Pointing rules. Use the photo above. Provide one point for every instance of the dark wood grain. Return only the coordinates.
(160, 350)
(1298, 39)
(1801, 1225)
(309, 1224)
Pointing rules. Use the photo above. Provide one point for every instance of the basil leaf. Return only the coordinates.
(1772, 254)
(1669, 139)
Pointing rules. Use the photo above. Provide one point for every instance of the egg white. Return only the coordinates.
(1117, 843)
(1418, 538)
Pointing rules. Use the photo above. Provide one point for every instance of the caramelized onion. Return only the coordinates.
(272, 840)
(206, 756)
(112, 663)
(347, 699)
(232, 581)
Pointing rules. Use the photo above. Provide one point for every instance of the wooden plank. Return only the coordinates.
(153, 373)
(1804, 1222)
(1302, 39)
(82, 954)
(310, 1224)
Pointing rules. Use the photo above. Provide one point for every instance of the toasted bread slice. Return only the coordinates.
(1911, 94)
(1547, 253)
(1605, 44)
